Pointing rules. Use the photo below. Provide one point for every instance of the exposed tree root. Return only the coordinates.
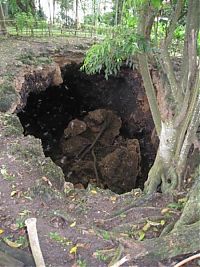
(197, 256)
(191, 212)
(154, 177)
(181, 241)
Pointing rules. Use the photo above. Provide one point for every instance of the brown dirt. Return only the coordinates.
(92, 220)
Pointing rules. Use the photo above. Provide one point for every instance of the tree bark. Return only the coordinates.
(76, 16)
(3, 29)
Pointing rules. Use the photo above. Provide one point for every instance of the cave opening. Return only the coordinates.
(98, 131)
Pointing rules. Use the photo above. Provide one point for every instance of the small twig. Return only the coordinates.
(95, 167)
(34, 242)
(191, 258)
(122, 261)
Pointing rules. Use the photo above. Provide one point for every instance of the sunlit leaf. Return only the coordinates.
(162, 222)
(156, 3)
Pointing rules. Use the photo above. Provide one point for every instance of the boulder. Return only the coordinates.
(120, 168)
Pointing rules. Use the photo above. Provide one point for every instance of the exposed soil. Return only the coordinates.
(76, 227)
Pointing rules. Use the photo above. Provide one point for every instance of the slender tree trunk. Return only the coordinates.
(116, 11)
(2, 22)
(54, 10)
(49, 6)
(94, 13)
(76, 15)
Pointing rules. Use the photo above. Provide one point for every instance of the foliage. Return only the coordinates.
(112, 52)
(105, 19)
(65, 6)
(24, 20)
(18, 6)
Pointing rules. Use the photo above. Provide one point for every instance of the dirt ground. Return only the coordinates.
(76, 227)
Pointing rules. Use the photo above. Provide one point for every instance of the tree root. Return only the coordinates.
(197, 256)
(181, 241)
(95, 168)
(154, 177)
(191, 212)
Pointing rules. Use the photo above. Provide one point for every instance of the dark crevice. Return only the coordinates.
(48, 113)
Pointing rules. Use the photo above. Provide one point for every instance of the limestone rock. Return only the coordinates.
(121, 167)
(72, 147)
(96, 120)
(74, 128)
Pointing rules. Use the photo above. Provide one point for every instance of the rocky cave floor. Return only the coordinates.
(88, 223)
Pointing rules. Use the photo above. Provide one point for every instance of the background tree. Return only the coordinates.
(18, 6)
(118, 11)
(66, 6)
(76, 14)
(2, 21)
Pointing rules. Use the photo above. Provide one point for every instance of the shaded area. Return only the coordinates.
(48, 114)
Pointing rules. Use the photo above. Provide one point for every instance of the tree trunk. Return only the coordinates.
(2, 22)
(118, 11)
(94, 13)
(76, 16)
(49, 6)
(175, 106)
(54, 10)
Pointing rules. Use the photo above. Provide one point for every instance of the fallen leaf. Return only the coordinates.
(11, 243)
(165, 210)
(73, 250)
(141, 235)
(146, 227)
(73, 224)
(1, 231)
(113, 198)
(93, 191)
(153, 223)
(13, 193)
(162, 222)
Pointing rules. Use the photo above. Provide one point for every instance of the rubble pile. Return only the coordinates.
(93, 151)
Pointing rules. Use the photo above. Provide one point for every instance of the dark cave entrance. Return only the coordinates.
(122, 155)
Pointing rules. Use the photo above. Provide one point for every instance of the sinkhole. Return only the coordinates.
(98, 131)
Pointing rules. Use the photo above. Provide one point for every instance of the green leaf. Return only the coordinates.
(156, 3)
(141, 235)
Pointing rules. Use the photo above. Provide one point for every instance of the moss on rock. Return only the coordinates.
(29, 148)
(8, 96)
(10, 125)
(53, 172)
(45, 191)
